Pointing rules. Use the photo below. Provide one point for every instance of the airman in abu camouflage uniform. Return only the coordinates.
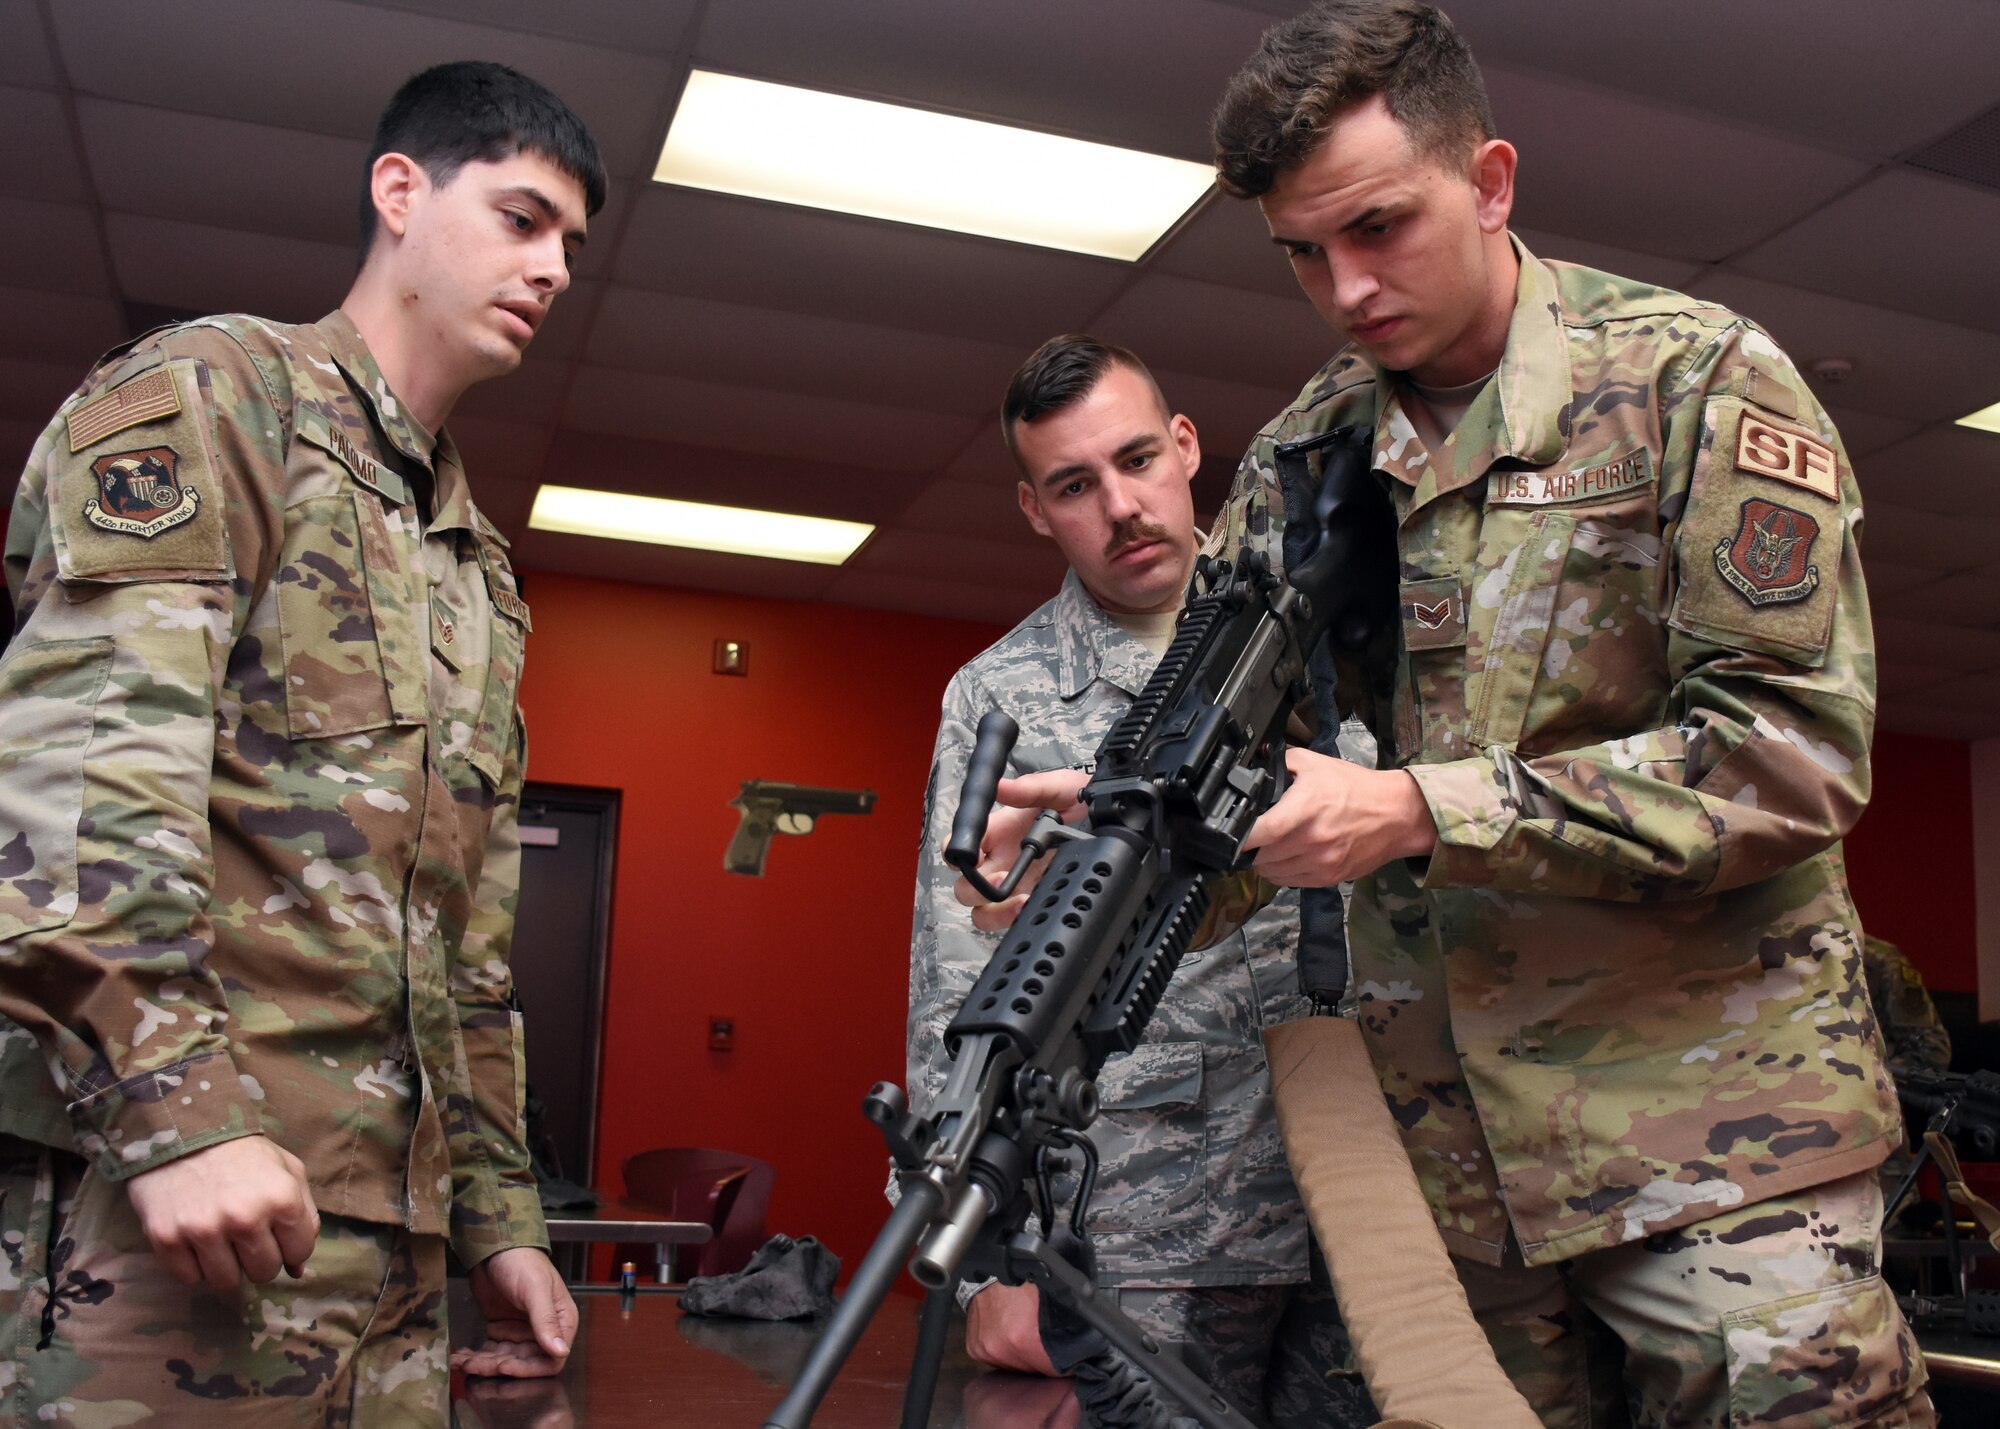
(1602, 943)
(1195, 1221)
(260, 761)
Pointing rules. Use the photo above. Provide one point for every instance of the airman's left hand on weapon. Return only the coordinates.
(1016, 806)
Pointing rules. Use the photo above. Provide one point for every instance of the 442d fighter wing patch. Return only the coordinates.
(1768, 560)
(138, 494)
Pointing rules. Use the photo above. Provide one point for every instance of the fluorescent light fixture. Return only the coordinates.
(772, 141)
(698, 527)
(1986, 419)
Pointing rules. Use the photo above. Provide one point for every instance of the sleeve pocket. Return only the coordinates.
(1830, 1357)
(48, 705)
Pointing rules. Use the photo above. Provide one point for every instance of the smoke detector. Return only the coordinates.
(1831, 370)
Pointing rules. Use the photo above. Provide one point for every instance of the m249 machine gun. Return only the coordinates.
(1178, 783)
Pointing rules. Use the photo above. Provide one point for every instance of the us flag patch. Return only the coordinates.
(143, 399)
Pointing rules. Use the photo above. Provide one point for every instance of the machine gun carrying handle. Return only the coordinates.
(995, 741)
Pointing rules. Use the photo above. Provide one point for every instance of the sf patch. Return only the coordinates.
(139, 494)
(1763, 448)
(1769, 559)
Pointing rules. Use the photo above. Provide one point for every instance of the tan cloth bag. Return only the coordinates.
(1425, 1358)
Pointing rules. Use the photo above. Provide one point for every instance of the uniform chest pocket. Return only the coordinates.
(493, 683)
(1152, 1140)
(336, 680)
(352, 658)
(1511, 610)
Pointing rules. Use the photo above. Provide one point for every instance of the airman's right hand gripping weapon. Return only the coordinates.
(1178, 783)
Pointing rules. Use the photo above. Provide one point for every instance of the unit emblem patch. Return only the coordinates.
(1768, 560)
(138, 495)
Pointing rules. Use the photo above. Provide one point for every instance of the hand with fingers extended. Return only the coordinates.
(1018, 803)
(235, 1209)
(530, 1317)
(1003, 1329)
(1337, 821)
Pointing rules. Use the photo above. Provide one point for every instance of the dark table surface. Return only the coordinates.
(651, 1365)
(648, 1364)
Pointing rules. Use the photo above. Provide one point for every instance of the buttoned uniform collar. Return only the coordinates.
(1090, 645)
(452, 494)
(1522, 415)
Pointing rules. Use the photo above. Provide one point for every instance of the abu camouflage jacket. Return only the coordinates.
(1193, 1188)
(260, 759)
(1636, 687)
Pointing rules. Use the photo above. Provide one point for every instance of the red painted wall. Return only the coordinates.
(812, 959)
(1910, 859)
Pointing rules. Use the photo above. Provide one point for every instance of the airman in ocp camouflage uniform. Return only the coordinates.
(1195, 1222)
(1616, 1002)
(260, 762)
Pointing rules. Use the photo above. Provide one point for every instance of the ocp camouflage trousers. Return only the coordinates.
(95, 1333)
(1772, 1316)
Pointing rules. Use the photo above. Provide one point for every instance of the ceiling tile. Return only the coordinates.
(30, 391)
(1895, 679)
(329, 67)
(666, 565)
(1672, 273)
(216, 270)
(1927, 540)
(772, 255)
(800, 352)
(968, 559)
(60, 327)
(55, 245)
(1227, 242)
(985, 460)
(1885, 243)
(1973, 694)
(18, 436)
(1226, 415)
(24, 51)
(532, 392)
(498, 450)
(1768, 67)
(955, 508)
(656, 27)
(1967, 598)
(634, 404)
(957, 599)
(1933, 642)
(1905, 366)
(1953, 471)
(1141, 73)
(42, 161)
(1726, 188)
(1208, 330)
(1865, 433)
(1888, 579)
(253, 177)
(728, 478)
(1921, 714)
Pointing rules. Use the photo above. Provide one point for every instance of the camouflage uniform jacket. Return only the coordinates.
(1636, 687)
(1193, 1188)
(260, 759)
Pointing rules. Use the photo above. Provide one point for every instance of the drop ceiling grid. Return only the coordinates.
(731, 347)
